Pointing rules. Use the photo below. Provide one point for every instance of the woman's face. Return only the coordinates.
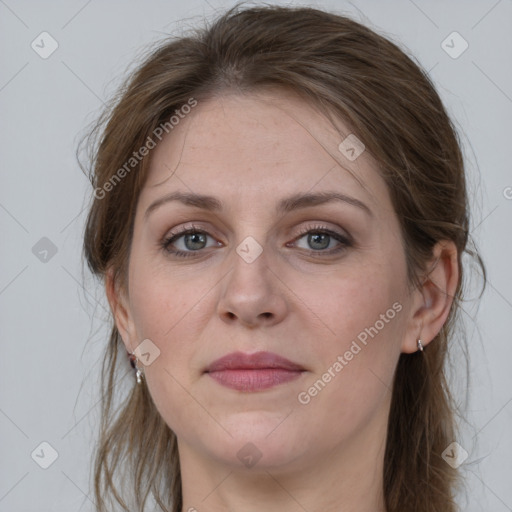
(320, 283)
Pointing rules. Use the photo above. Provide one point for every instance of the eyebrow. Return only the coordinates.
(286, 205)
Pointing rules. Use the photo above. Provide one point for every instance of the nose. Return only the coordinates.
(252, 294)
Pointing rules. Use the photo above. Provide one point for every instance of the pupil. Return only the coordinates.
(196, 238)
(316, 238)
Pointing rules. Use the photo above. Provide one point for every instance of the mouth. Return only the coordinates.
(253, 372)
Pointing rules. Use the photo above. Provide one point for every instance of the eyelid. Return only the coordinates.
(318, 227)
(170, 235)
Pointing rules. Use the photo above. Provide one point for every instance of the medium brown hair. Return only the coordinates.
(347, 70)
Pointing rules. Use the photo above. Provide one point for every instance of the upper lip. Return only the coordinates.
(258, 360)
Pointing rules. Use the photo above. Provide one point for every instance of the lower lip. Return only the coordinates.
(254, 380)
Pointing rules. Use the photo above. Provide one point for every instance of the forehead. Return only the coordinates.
(254, 142)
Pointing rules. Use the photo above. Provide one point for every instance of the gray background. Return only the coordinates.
(52, 316)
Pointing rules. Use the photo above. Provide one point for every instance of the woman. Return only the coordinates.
(279, 218)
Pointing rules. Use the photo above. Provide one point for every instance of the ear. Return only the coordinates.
(119, 304)
(432, 301)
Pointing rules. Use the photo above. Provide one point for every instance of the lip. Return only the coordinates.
(258, 360)
(253, 372)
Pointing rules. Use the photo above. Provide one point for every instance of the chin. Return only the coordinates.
(260, 441)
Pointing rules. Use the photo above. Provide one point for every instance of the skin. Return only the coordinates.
(250, 152)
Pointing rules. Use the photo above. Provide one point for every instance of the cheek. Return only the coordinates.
(365, 313)
(160, 298)
(171, 309)
(355, 300)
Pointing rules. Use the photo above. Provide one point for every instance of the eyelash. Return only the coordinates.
(344, 241)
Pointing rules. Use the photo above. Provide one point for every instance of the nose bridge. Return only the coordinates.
(252, 253)
(251, 292)
(250, 261)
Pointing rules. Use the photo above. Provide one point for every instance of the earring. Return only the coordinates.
(420, 346)
(133, 362)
